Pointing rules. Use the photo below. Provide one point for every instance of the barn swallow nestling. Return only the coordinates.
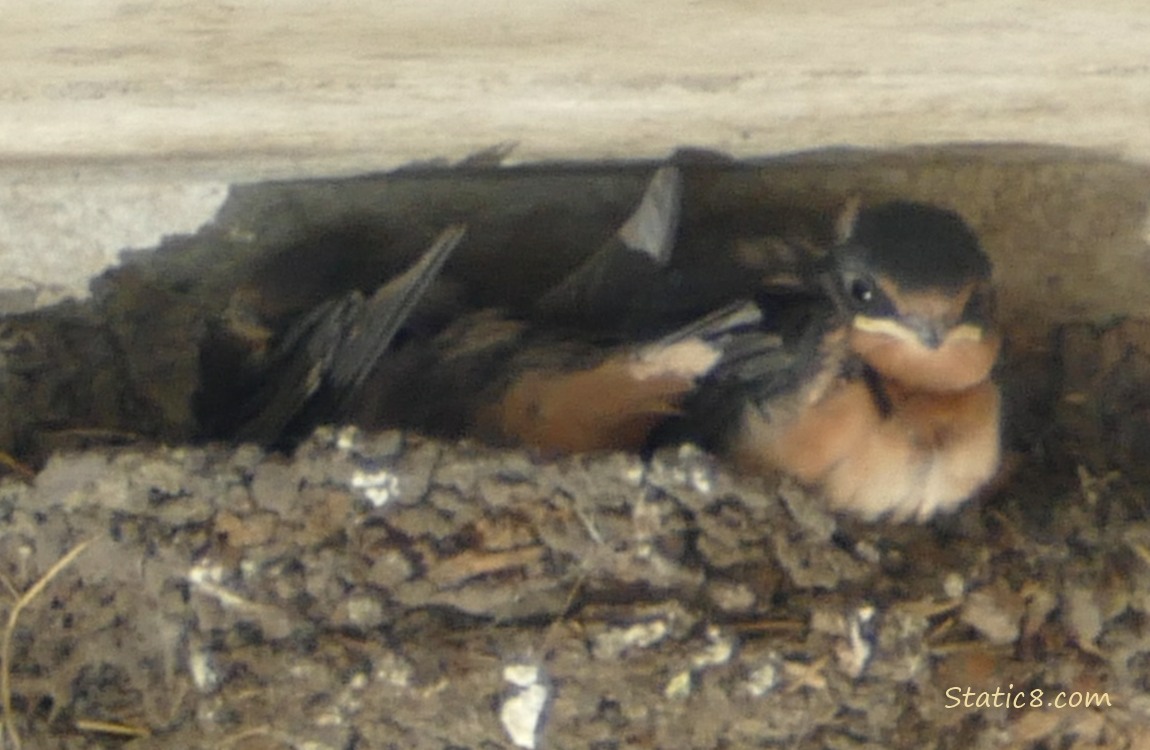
(561, 382)
(566, 379)
(508, 383)
(885, 401)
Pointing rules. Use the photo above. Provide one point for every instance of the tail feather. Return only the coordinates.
(318, 367)
(386, 310)
(613, 286)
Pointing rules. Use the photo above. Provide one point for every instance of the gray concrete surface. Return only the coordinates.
(55, 234)
(122, 120)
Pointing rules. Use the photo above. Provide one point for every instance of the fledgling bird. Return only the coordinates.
(508, 383)
(560, 380)
(885, 400)
(567, 378)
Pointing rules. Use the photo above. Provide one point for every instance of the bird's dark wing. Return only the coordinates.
(317, 369)
(385, 311)
(617, 288)
(758, 363)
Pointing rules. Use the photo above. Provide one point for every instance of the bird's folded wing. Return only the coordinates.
(321, 362)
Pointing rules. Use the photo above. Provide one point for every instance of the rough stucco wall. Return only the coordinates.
(55, 234)
(121, 121)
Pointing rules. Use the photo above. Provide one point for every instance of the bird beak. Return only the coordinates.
(928, 332)
(931, 333)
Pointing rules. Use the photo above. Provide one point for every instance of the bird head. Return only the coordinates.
(916, 287)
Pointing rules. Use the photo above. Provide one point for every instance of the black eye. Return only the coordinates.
(862, 291)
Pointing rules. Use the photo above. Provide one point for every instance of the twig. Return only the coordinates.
(10, 628)
(112, 727)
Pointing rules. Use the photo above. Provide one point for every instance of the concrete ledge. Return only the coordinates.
(281, 89)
